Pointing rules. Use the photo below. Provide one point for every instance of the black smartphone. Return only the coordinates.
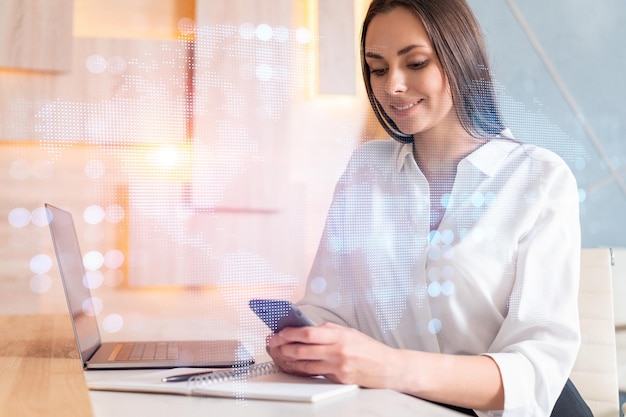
(278, 314)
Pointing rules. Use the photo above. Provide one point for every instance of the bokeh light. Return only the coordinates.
(246, 31)
(113, 323)
(39, 217)
(186, 26)
(40, 264)
(447, 288)
(40, 284)
(318, 285)
(113, 259)
(19, 217)
(93, 214)
(264, 32)
(434, 289)
(93, 279)
(96, 64)
(19, 170)
(93, 260)
(434, 326)
(303, 35)
(92, 306)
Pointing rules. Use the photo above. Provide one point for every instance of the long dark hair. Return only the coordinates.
(458, 43)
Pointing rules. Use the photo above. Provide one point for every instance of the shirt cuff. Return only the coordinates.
(518, 381)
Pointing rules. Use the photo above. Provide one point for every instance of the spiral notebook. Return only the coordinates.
(262, 381)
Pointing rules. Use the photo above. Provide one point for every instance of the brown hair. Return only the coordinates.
(458, 43)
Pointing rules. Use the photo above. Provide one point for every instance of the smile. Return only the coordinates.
(407, 106)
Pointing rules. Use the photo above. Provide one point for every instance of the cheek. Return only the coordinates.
(377, 89)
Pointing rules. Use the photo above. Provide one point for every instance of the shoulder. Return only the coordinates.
(547, 161)
(381, 154)
(529, 156)
(542, 155)
(545, 168)
(373, 161)
(378, 150)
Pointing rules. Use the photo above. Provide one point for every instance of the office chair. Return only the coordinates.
(595, 370)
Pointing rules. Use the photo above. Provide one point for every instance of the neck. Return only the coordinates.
(438, 154)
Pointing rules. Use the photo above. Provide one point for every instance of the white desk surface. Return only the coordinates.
(362, 403)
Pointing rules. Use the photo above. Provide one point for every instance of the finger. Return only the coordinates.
(309, 367)
(305, 352)
(276, 340)
(322, 335)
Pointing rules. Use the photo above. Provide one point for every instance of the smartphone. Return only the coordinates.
(278, 314)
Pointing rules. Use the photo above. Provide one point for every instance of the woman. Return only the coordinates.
(448, 267)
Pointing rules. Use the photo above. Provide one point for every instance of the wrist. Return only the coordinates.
(404, 373)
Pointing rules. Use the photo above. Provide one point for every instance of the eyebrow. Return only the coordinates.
(401, 52)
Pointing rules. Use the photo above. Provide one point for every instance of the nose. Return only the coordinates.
(396, 82)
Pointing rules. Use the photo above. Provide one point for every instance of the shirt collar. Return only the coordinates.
(487, 158)
(405, 156)
(490, 156)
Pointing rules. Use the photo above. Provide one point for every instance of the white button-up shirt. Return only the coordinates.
(498, 277)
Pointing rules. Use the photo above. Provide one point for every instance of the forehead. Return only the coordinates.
(395, 30)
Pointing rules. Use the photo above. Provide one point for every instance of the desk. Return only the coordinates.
(41, 374)
(362, 403)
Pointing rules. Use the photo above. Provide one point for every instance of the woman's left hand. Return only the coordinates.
(341, 354)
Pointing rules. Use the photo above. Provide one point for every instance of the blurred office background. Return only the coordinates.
(197, 142)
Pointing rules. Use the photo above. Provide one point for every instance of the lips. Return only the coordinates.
(404, 107)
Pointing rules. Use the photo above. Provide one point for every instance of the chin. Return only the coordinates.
(409, 131)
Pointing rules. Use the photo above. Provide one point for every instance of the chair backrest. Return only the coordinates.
(619, 288)
(595, 370)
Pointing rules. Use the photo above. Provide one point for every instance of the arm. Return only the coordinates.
(347, 356)
(537, 344)
(521, 367)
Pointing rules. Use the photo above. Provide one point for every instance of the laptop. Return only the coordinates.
(96, 354)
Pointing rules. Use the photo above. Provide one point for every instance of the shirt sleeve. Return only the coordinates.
(538, 342)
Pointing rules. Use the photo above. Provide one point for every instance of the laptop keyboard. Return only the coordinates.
(148, 351)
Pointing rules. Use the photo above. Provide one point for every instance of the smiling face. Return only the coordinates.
(406, 75)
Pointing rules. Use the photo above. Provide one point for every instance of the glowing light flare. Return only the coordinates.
(187, 28)
(168, 159)
(304, 35)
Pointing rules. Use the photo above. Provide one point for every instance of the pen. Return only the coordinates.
(183, 377)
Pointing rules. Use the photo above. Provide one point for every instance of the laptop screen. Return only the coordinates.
(70, 260)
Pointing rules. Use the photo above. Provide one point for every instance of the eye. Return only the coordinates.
(418, 65)
(378, 71)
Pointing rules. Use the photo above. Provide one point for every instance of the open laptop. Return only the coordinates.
(125, 355)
